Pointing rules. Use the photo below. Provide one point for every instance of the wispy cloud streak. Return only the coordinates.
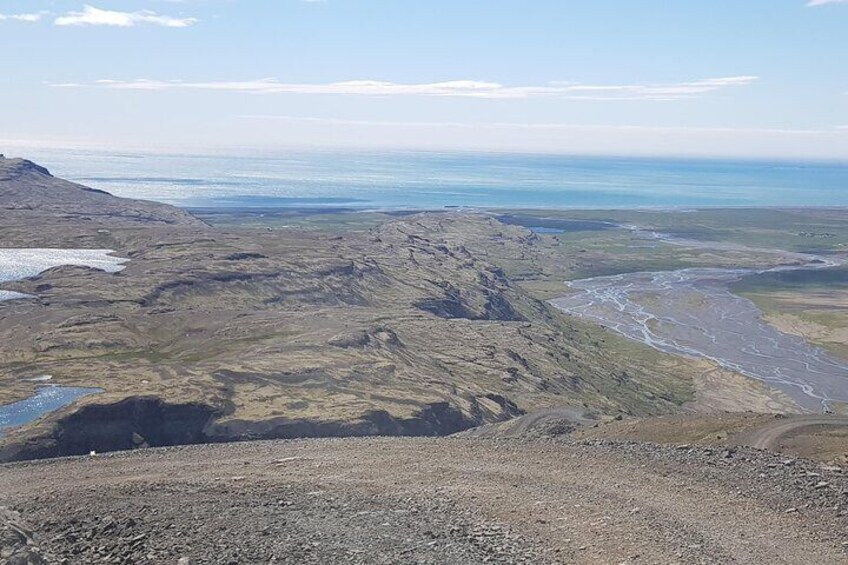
(456, 88)
(91, 16)
(29, 18)
(535, 126)
(814, 3)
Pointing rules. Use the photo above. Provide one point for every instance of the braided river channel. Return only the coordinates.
(692, 312)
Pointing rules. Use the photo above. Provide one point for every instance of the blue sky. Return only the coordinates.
(763, 78)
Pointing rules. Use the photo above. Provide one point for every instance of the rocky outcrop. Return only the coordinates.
(28, 188)
(141, 422)
(17, 546)
(434, 419)
(131, 423)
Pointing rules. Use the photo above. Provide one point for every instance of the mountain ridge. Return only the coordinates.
(30, 189)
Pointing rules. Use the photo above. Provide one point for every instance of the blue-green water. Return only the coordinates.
(46, 399)
(435, 180)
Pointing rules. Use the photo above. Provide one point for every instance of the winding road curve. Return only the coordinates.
(769, 436)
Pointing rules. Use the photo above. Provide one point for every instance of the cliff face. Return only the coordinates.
(30, 189)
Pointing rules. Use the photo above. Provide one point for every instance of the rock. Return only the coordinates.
(17, 546)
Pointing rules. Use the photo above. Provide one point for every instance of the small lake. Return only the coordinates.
(47, 399)
(18, 264)
(544, 230)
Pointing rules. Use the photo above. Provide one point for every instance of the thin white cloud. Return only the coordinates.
(29, 18)
(455, 88)
(91, 16)
(533, 126)
(814, 3)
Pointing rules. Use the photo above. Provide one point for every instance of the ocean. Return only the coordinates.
(412, 180)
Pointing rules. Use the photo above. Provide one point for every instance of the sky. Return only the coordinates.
(734, 78)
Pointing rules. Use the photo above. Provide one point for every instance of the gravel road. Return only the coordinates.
(448, 500)
(769, 435)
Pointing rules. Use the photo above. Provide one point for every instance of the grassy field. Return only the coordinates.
(804, 230)
(811, 304)
(326, 220)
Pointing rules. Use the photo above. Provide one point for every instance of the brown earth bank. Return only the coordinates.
(449, 500)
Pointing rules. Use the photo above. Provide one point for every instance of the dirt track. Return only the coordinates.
(768, 436)
(432, 501)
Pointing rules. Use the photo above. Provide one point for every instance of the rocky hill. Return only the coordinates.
(29, 188)
(214, 334)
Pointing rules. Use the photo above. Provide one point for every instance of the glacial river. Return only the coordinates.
(692, 312)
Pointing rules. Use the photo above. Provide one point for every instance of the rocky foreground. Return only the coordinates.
(450, 500)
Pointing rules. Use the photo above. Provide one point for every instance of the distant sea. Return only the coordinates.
(372, 180)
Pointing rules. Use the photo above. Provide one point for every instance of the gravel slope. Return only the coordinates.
(449, 500)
